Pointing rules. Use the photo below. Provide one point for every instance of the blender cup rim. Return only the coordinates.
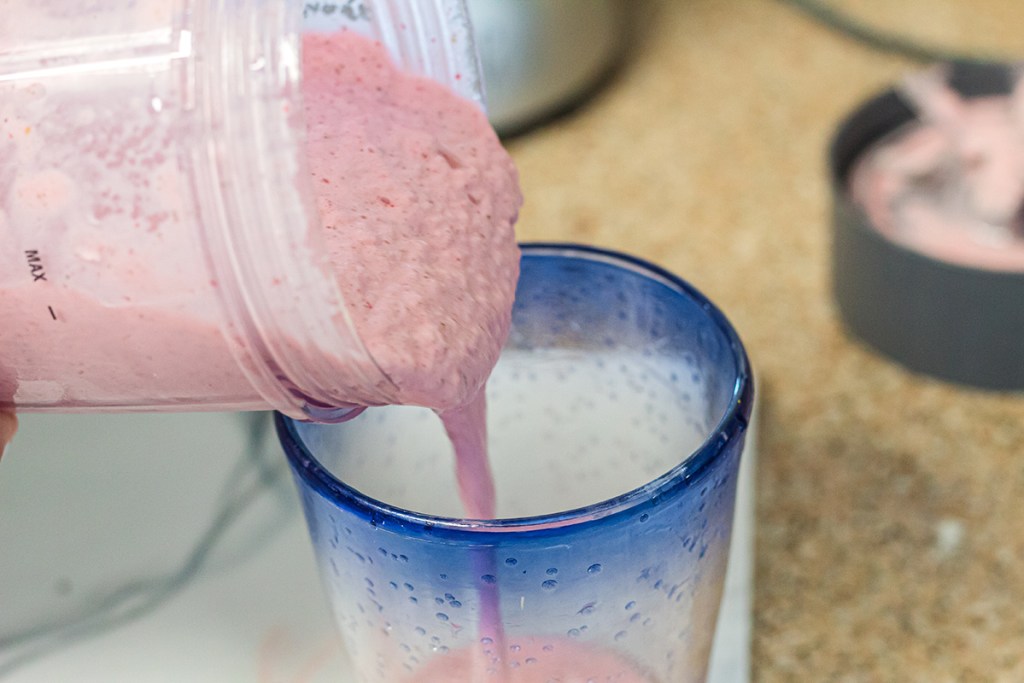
(687, 473)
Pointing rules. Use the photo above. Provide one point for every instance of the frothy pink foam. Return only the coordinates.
(418, 199)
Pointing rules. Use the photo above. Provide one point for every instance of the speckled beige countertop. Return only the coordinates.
(890, 506)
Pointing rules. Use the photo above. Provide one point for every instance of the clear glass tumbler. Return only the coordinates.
(617, 416)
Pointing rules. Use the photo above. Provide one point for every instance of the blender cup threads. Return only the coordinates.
(156, 190)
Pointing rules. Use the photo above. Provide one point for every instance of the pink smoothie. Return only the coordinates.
(417, 200)
(533, 660)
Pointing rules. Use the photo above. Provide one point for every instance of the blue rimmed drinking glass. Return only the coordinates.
(617, 416)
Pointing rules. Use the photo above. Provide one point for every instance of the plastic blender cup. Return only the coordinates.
(617, 416)
(159, 243)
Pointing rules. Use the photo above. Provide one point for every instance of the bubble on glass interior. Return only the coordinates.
(598, 463)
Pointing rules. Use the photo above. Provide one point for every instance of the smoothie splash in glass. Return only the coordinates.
(411, 174)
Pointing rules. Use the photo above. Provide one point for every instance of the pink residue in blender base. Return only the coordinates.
(951, 183)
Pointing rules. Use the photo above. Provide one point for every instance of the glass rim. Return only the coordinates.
(730, 426)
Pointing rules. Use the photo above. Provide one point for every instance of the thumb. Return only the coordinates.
(8, 425)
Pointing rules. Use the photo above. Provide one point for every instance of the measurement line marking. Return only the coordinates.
(52, 314)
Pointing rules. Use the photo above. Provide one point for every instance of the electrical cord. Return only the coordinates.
(254, 475)
(882, 40)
